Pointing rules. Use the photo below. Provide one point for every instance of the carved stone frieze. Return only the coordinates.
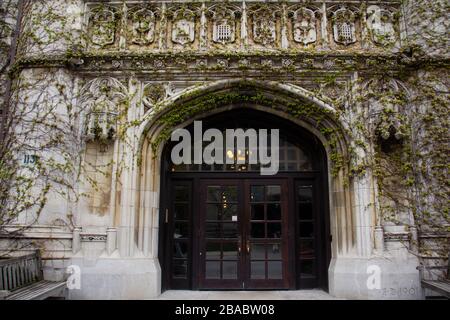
(203, 26)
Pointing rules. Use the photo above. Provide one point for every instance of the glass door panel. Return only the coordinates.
(220, 235)
(266, 234)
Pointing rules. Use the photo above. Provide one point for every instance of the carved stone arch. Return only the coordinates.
(271, 97)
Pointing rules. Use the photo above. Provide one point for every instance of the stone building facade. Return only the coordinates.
(357, 79)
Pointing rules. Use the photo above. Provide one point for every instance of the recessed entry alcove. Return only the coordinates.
(229, 227)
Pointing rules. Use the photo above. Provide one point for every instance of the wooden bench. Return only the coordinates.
(441, 286)
(21, 278)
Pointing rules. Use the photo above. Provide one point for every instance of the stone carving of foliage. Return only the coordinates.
(304, 26)
(100, 101)
(142, 26)
(381, 23)
(103, 26)
(224, 23)
(344, 26)
(264, 25)
(183, 26)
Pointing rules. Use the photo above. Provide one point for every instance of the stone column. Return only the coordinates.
(379, 239)
(203, 29)
(324, 25)
(365, 42)
(244, 26)
(163, 27)
(129, 176)
(76, 240)
(123, 28)
(111, 240)
(284, 26)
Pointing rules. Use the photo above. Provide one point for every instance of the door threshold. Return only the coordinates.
(315, 294)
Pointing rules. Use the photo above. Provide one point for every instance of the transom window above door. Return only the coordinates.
(292, 159)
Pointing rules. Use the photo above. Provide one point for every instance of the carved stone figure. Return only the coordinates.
(183, 27)
(380, 22)
(143, 27)
(103, 26)
(264, 26)
(304, 26)
(344, 29)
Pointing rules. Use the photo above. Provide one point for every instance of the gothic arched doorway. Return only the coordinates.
(228, 227)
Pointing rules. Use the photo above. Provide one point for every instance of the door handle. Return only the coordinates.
(239, 246)
(248, 247)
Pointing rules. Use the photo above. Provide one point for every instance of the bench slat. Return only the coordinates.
(443, 287)
(38, 291)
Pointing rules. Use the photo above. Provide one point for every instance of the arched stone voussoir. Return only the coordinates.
(270, 96)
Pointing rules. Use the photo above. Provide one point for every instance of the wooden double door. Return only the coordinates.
(243, 234)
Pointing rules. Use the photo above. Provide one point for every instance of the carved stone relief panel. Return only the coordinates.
(224, 25)
(103, 26)
(304, 25)
(184, 27)
(381, 23)
(265, 29)
(344, 25)
(143, 24)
